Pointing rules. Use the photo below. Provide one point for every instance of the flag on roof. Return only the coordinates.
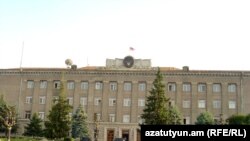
(131, 48)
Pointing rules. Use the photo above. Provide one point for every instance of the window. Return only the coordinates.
(83, 101)
(231, 104)
(141, 120)
(216, 104)
(186, 104)
(186, 120)
(216, 88)
(142, 86)
(42, 99)
(98, 101)
(57, 84)
(186, 87)
(84, 85)
(98, 85)
(126, 118)
(41, 115)
(171, 87)
(55, 99)
(27, 114)
(111, 117)
(70, 85)
(126, 102)
(113, 86)
(28, 100)
(231, 88)
(201, 103)
(141, 102)
(172, 103)
(70, 100)
(127, 86)
(30, 84)
(43, 84)
(97, 117)
(201, 87)
(112, 102)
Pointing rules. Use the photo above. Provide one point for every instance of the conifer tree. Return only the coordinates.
(174, 115)
(58, 124)
(34, 128)
(156, 109)
(79, 124)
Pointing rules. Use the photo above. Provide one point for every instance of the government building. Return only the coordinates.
(115, 94)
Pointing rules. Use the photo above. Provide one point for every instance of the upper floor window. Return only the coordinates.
(141, 102)
(201, 87)
(70, 85)
(127, 86)
(43, 84)
(28, 100)
(83, 101)
(113, 86)
(41, 115)
(186, 87)
(84, 85)
(232, 104)
(98, 85)
(216, 104)
(27, 114)
(231, 88)
(97, 117)
(186, 104)
(111, 117)
(42, 99)
(201, 103)
(216, 87)
(126, 118)
(30, 84)
(126, 102)
(112, 102)
(171, 87)
(98, 101)
(57, 84)
(142, 86)
(70, 100)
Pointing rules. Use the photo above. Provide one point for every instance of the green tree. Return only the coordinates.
(34, 128)
(156, 109)
(79, 124)
(58, 124)
(237, 120)
(205, 118)
(174, 115)
(247, 119)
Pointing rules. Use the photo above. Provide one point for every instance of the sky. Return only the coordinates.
(201, 34)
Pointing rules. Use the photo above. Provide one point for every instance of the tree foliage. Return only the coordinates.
(79, 124)
(58, 124)
(205, 118)
(157, 108)
(34, 128)
(239, 120)
(174, 115)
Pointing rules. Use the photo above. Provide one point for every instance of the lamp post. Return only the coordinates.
(9, 122)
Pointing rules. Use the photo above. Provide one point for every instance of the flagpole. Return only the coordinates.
(21, 81)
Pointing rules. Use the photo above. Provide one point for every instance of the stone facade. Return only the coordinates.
(117, 94)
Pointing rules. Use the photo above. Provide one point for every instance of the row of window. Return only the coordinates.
(186, 87)
(83, 101)
(141, 102)
(216, 104)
